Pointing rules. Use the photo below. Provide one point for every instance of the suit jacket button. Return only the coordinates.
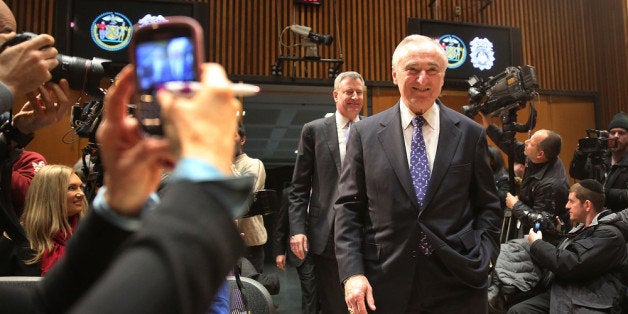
(413, 253)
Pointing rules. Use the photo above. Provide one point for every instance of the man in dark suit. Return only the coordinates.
(316, 171)
(406, 245)
(177, 255)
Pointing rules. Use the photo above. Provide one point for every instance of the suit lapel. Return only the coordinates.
(448, 140)
(331, 138)
(391, 142)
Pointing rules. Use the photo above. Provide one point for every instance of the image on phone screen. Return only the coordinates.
(158, 62)
(163, 61)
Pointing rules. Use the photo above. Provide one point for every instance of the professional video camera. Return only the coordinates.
(597, 141)
(82, 74)
(508, 90)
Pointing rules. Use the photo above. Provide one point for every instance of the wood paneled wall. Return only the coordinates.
(577, 46)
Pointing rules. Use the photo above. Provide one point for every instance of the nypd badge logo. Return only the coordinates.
(482, 53)
(112, 31)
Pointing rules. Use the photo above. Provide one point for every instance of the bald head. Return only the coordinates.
(7, 23)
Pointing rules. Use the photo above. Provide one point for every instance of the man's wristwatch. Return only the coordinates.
(14, 135)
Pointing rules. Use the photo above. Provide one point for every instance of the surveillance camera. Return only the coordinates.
(314, 37)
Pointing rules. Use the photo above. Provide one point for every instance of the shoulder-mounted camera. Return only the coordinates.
(507, 90)
(597, 141)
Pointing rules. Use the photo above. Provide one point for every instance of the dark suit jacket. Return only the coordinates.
(378, 218)
(316, 169)
(174, 264)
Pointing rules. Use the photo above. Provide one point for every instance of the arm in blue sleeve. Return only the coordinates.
(190, 169)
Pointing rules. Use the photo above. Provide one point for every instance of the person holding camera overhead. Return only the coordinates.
(545, 186)
(614, 162)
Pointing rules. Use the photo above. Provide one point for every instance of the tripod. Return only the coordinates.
(92, 169)
(510, 128)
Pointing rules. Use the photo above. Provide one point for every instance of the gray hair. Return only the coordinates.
(402, 48)
(348, 74)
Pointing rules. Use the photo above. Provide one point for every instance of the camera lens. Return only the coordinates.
(82, 74)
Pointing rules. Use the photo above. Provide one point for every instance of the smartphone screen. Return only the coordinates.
(157, 62)
(169, 50)
(162, 61)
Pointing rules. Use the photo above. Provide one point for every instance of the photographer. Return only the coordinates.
(182, 250)
(24, 68)
(612, 161)
(584, 271)
(544, 187)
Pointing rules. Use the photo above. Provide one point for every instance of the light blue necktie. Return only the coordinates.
(419, 165)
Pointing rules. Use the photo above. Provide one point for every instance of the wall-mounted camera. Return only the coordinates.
(311, 40)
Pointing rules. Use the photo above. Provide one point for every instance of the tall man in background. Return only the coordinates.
(417, 216)
(317, 168)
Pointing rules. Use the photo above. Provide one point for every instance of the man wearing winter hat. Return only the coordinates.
(616, 177)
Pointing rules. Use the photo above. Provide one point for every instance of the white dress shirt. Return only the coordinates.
(342, 127)
(431, 130)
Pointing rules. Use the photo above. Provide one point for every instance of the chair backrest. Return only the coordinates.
(258, 299)
(19, 281)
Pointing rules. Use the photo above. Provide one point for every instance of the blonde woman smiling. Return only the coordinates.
(54, 204)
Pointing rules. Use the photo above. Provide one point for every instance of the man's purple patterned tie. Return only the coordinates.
(420, 171)
(419, 166)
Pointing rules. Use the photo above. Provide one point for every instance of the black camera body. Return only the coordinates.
(82, 74)
(85, 120)
(596, 142)
(508, 90)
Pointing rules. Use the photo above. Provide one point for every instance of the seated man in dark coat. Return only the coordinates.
(585, 269)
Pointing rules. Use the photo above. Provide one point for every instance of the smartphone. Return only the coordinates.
(167, 51)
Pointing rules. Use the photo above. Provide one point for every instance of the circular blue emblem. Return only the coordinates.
(112, 31)
(455, 49)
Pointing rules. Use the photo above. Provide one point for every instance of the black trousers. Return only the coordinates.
(330, 291)
(255, 255)
(428, 296)
(536, 304)
(309, 291)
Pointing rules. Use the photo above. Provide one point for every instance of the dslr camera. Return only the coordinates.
(596, 142)
(82, 74)
(507, 90)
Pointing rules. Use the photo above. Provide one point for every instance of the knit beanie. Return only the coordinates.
(620, 120)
